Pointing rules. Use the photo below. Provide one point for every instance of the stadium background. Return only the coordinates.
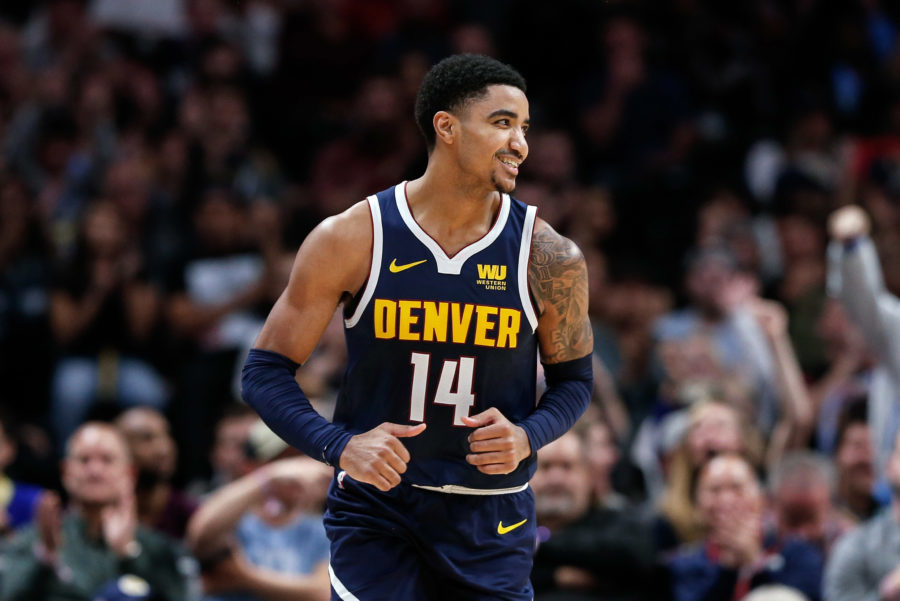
(165, 158)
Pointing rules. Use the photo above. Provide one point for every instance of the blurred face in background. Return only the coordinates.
(602, 455)
(855, 459)
(714, 429)
(229, 457)
(707, 278)
(97, 466)
(802, 503)
(561, 485)
(728, 489)
(104, 230)
(150, 441)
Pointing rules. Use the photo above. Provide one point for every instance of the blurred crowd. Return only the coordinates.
(731, 171)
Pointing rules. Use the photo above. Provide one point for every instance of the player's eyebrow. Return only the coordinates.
(507, 113)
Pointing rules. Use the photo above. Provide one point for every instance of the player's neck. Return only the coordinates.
(443, 205)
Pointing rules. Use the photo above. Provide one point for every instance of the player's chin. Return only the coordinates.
(504, 184)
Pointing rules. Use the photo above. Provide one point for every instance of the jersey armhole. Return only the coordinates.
(524, 260)
(375, 268)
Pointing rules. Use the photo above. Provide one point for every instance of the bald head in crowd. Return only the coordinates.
(97, 465)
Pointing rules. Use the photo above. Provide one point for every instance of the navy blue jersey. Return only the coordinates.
(435, 338)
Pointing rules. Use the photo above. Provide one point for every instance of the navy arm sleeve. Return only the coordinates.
(569, 386)
(268, 385)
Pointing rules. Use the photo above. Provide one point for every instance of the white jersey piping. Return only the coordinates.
(375, 269)
(455, 489)
(339, 587)
(450, 265)
(524, 259)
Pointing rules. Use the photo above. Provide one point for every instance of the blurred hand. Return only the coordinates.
(48, 518)
(739, 289)
(771, 316)
(889, 589)
(497, 445)
(120, 519)
(571, 578)
(737, 531)
(377, 457)
(301, 479)
(847, 223)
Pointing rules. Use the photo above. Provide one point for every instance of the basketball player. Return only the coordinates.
(449, 286)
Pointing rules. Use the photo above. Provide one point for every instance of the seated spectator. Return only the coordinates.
(713, 427)
(18, 501)
(160, 505)
(261, 536)
(865, 563)
(734, 556)
(228, 456)
(854, 460)
(602, 457)
(75, 554)
(585, 551)
(801, 488)
(103, 312)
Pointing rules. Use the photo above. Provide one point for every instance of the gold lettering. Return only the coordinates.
(483, 326)
(435, 326)
(385, 318)
(407, 319)
(507, 332)
(461, 321)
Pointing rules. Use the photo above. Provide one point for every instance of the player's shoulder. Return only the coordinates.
(549, 247)
(339, 248)
(352, 225)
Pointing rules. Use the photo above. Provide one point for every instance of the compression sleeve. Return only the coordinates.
(568, 393)
(268, 385)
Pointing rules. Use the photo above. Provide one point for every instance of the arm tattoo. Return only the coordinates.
(557, 277)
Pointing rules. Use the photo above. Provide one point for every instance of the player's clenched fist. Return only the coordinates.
(497, 445)
(377, 457)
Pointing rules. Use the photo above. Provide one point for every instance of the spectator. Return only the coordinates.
(712, 428)
(735, 557)
(215, 308)
(73, 555)
(865, 564)
(18, 501)
(718, 304)
(261, 536)
(585, 551)
(854, 459)
(801, 488)
(855, 279)
(228, 457)
(103, 312)
(160, 505)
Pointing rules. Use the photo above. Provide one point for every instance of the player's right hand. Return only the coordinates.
(377, 457)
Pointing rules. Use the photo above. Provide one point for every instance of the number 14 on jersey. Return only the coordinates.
(461, 372)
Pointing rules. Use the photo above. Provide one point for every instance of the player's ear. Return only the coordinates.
(445, 126)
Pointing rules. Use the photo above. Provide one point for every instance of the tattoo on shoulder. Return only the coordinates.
(558, 279)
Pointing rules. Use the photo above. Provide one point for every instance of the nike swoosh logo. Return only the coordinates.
(501, 529)
(398, 268)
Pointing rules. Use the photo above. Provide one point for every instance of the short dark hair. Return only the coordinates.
(855, 412)
(456, 80)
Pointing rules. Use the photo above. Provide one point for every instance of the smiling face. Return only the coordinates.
(489, 139)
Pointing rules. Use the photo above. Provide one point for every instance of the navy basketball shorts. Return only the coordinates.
(421, 545)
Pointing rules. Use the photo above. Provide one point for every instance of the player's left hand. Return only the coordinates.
(497, 445)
